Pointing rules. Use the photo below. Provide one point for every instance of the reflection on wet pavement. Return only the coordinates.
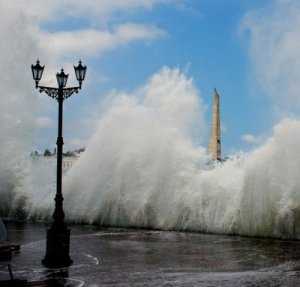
(123, 257)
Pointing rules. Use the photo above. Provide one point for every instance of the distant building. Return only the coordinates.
(214, 147)
(68, 162)
(69, 158)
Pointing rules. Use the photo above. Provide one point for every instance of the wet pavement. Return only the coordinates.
(124, 257)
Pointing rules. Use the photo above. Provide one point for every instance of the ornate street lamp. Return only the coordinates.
(80, 73)
(58, 235)
(37, 72)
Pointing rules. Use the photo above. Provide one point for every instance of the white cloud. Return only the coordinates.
(107, 7)
(44, 122)
(90, 9)
(275, 50)
(251, 139)
(91, 42)
(96, 36)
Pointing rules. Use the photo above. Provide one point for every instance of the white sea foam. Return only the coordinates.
(142, 168)
(145, 167)
(17, 102)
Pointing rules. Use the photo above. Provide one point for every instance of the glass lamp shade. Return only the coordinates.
(80, 71)
(62, 79)
(37, 71)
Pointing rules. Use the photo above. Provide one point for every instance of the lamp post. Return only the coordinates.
(58, 235)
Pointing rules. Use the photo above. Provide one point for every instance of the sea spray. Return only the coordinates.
(142, 168)
(135, 145)
(17, 105)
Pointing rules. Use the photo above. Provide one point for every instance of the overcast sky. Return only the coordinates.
(248, 50)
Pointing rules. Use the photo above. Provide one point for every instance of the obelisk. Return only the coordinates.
(215, 139)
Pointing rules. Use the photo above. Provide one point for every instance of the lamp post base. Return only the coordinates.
(58, 248)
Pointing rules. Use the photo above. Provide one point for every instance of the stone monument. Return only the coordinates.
(214, 147)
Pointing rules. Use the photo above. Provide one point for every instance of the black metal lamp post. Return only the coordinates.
(58, 235)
